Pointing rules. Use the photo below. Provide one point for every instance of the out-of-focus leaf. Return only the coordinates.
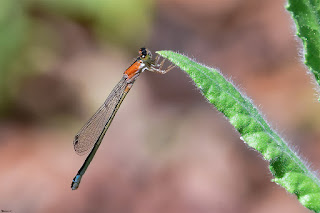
(13, 32)
(119, 21)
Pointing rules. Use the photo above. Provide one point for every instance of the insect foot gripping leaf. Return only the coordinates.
(288, 169)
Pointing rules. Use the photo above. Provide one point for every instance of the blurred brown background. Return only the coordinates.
(167, 150)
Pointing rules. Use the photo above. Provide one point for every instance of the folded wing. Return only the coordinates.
(90, 132)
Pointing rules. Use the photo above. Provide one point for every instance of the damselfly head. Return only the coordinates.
(144, 54)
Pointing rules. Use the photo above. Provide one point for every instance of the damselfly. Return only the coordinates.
(91, 134)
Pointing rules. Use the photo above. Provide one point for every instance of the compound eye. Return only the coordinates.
(143, 51)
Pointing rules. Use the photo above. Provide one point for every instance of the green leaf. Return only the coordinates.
(306, 14)
(288, 169)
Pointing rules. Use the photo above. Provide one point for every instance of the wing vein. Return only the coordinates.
(90, 132)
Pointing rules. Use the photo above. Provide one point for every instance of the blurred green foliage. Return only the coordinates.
(120, 21)
(30, 44)
(13, 30)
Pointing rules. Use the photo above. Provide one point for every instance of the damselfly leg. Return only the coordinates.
(158, 67)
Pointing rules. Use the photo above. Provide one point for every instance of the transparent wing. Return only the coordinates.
(90, 132)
